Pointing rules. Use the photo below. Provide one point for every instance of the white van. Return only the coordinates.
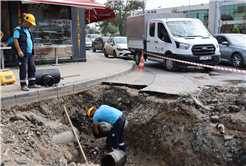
(178, 38)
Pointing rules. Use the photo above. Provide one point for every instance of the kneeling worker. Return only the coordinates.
(115, 118)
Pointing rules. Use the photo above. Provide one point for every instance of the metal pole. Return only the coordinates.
(143, 6)
(189, 8)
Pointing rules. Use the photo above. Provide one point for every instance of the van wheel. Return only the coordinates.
(170, 65)
(114, 54)
(105, 53)
(137, 57)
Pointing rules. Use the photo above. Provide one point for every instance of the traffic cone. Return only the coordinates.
(141, 63)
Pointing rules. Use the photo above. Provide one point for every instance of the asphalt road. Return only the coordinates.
(187, 80)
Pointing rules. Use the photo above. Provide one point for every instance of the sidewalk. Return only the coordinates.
(96, 70)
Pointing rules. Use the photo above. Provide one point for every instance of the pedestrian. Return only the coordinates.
(1, 35)
(9, 41)
(113, 116)
(23, 47)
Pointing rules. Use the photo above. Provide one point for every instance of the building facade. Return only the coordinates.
(231, 14)
(59, 30)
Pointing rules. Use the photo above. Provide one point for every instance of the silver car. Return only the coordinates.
(232, 48)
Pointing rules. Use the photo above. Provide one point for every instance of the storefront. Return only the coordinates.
(59, 30)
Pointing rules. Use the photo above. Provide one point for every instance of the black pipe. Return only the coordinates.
(48, 77)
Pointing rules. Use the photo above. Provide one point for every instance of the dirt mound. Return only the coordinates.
(162, 130)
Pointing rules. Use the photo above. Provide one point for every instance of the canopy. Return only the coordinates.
(74, 3)
(94, 15)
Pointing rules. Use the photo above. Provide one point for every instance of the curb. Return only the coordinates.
(57, 92)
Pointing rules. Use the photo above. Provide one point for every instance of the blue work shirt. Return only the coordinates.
(10, 41)
(107, 114)
(29, 40)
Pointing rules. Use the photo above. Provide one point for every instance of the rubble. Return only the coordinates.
(162, 130)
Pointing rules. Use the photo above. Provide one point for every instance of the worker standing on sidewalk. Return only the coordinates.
(23, 47)
(115, 118)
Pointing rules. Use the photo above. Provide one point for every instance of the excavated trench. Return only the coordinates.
(162, 130)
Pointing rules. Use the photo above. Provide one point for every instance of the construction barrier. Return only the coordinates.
(199, 64)
(141, 63)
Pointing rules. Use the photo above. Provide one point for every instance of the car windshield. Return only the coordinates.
(239, 39)
(189, 28)
(105, 39)
(87, 40)
(94, 36)
(121, 40)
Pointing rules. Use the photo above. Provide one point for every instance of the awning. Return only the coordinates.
(75, 3)
(94, 15)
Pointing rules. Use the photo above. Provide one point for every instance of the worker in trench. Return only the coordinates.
(113, 116)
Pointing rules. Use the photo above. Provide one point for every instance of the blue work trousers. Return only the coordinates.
(117, 131)
(27, 66)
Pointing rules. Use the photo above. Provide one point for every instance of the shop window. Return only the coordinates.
(53, 24)
(5, 25)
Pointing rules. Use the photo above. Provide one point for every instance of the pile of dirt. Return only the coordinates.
(162, 130)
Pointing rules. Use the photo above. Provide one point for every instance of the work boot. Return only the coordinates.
(34, 86)
(24, 88)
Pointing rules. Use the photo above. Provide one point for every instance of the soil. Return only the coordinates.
(163, 130)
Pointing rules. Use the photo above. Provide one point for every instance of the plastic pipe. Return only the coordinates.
(48, 77)
(65, 137)
(115, 158)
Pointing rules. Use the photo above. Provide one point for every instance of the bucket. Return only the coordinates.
(104, 129)
(48, 77)
(115, 158)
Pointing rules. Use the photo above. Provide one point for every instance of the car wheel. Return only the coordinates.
(114, 54)
(137, 57)
(237, 60)
(93, 49)
(170, 65)
(105, 53)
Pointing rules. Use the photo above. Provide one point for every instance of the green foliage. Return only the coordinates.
(112, 29)
(208, 29)
(235, 30)
(175, 10)
(122, 10)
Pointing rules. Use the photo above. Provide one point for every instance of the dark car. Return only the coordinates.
(232, 48)
(98, 43)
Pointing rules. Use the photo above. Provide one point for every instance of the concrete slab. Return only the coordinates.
(48, 93)
(27, 98)
(8, 101)
(65, 90)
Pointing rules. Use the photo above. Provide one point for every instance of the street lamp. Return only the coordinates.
(189, 8)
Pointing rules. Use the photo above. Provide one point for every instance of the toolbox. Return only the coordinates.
(7, 77)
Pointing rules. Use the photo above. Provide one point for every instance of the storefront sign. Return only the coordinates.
(78, 33)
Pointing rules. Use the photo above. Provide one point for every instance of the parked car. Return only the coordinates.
(117, 46)
(93, 36)
(232, 48)
(87, 43)
(98, 43)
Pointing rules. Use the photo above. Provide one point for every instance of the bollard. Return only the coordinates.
(65, 137)
(48, 77)
(115, 158)
(104, 129)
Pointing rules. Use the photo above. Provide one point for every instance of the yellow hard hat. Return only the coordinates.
(89, 112)
(30, 18)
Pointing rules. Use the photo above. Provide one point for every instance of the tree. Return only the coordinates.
(91, 31)
(235, 30)
(225, 28)
(175, 10)
(112, 29)
(122, 10)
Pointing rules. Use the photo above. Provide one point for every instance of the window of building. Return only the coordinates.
(53, 24)
(152, 29)
(5, 25)
(199, 14)
(233, 12)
